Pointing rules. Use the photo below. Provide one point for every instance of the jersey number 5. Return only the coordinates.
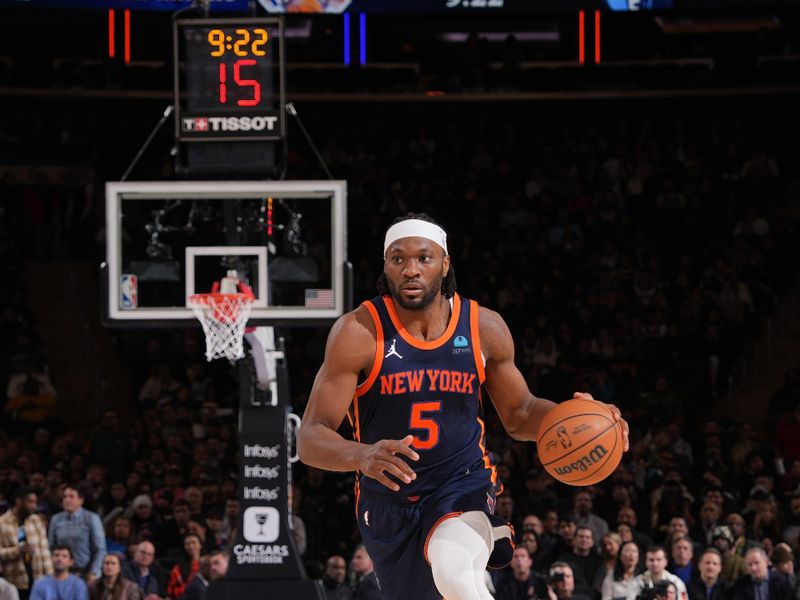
(418, 421)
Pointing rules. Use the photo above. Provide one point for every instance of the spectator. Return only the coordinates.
(61, 585)
(218, 565)
(566, 535)
(682, 555)
(112, 586)
(172, 484)
(118, 504)
(733, 565)
(175, 529)
(708, 585)
(582, 506)
(187, 567)
(782, 561)
(82, 531)
(97, 490)
(532, 523)
(146, 523)
(7, 591)
(212, 567)
(214, 529)
(194, 497)
(710, 515)
(587, 565)
(522, 583)
(561, 584)
(791, 535)
(760, 583)
(366, 583)
(533, 542)
(656, 562)
(677, 528)
(31, 400)
(199, 529)
(333, 579)
(144, 571)
(111, 445)
(24, 551)
(198, 586)
(120, 536)
(609, 550)
(627, 516)
(741, 544)
(619, 583)
(768, 523)
(231, 519)
(297, 525)
(505, 509)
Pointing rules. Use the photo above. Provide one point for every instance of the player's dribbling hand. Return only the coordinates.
(381, 458)
(614, 411)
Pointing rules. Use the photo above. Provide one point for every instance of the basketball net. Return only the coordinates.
(223, 313)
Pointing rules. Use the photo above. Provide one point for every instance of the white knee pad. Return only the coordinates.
(458, 552)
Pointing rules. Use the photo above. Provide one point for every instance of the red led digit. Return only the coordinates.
(223, 86)
(248, 62)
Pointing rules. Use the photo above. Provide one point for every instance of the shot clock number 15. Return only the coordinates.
(229, 79)
(243, 43)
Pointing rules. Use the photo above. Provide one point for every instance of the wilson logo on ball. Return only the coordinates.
(583, 462)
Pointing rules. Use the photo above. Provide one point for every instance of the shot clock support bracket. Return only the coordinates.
(229, 95)
(167, 112)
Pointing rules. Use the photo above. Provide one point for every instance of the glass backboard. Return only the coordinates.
(168, 240)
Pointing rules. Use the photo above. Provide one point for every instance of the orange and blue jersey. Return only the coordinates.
(429, 389)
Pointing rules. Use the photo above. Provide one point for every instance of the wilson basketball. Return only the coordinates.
(579, 442)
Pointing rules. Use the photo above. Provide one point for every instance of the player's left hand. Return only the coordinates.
(614, 411)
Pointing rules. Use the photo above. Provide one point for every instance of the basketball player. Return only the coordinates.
(406, 367)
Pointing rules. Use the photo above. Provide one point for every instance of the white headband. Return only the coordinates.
(415, 228)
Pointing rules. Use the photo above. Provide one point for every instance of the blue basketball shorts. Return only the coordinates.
(396, 531)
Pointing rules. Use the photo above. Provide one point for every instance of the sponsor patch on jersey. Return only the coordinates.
(461, 345)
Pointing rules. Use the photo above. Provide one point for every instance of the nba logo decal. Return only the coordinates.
(261, 524)
(128, 292)
(563, 437)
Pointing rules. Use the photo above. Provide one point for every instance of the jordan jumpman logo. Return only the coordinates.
(393, 351)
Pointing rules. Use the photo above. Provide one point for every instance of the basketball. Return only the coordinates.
(580, 442)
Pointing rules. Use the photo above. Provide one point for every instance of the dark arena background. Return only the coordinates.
(620, 180)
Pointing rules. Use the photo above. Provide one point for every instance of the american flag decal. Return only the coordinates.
(319, 298)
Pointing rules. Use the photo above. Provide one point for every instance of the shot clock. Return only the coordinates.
(229, 79)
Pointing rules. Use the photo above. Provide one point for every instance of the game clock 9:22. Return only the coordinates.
(231, 89)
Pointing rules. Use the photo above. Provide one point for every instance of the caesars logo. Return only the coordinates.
(584, 462)
(260, 554)
(261, 524)
(210, 124)
(257, 493)
(259, 472)
(256, 451)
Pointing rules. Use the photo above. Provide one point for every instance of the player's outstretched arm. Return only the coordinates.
(520, 411)
(349, 351)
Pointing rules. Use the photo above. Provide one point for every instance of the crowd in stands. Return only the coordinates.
(632, 261)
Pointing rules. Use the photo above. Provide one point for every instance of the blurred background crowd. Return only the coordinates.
(638, 249)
